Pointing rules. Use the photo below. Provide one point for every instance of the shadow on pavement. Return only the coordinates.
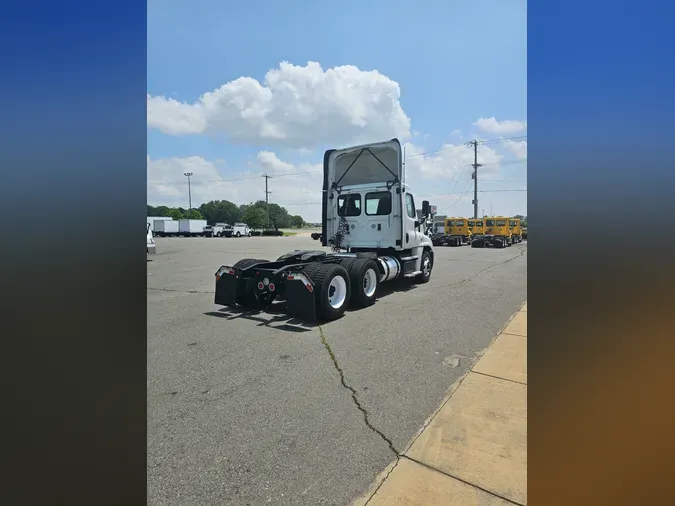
(274, 316)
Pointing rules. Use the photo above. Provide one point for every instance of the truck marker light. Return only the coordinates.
(266, 281)
(272, 287)
(290, 277)
(310, 288)
(260, 285)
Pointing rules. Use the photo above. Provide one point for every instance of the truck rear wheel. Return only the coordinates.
(332, 289)
(365, 280)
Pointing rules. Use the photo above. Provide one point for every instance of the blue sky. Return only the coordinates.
(454, 62)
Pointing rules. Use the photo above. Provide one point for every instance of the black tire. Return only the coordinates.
(425, 275)
(364, 276)
(322, 275)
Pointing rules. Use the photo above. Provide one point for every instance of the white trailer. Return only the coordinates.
(165, 228)
(191, 228)
(152, 219)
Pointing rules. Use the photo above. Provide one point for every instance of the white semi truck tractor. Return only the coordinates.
(369, 221)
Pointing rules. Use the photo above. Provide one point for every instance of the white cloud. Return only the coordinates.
(448, 162)
(439, 176)
(491, 125)
(518, 148)
(290, 184)
(295, 107)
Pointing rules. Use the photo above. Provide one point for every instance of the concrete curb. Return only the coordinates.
(384, 476)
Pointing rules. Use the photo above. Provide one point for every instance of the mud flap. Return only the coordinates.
(227, 284)
(300, 301)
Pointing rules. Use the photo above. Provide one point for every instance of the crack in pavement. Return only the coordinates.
(177, 291)
(354, 394)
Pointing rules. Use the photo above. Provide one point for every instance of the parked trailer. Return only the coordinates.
(497, 234)
(166, 228)
(152, 219)
(191, 228)
(368, 219)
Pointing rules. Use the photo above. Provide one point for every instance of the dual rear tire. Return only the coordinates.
(353, 281)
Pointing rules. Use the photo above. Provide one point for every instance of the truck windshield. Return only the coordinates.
(513, 223)
(490, 223)
(479, 223)
(501, 223)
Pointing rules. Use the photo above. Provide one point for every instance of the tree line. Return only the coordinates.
(217, 211)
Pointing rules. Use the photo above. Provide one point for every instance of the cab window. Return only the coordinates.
(490, 223)
(349, 205)
(410, 206)
(378, 203)
(501, 223)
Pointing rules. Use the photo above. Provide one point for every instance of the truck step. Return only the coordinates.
(412, 274)
(408, 259)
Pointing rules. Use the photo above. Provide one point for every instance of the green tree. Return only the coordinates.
(297, 221)
(175, 214)
(254, 217)
(194, 214)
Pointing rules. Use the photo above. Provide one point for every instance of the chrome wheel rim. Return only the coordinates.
(369, 282)
(337, 292)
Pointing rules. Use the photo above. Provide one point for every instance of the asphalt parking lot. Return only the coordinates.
(251, 408)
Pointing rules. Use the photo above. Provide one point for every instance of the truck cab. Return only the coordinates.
(374, 232)
(477, 227)
(498, 232)
(368, 207)
(516, 230)
(241, 229)
(457, 231)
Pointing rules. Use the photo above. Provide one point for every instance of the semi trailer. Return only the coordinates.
(166, 228)
(369, 223)
(191, 228)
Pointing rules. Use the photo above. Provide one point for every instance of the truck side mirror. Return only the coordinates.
(425, 207)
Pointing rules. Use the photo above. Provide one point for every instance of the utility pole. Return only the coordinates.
(474, 176)
(188, 174)
(267, 201)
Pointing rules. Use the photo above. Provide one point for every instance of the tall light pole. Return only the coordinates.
(188, 174)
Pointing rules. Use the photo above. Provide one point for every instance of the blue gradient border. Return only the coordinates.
(73, 102)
